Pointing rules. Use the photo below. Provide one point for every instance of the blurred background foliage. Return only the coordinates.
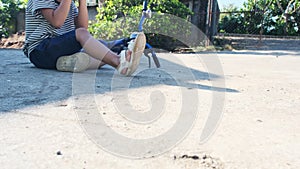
(8, 15)
(119, 18)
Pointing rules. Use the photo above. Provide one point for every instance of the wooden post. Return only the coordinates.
(208, 23)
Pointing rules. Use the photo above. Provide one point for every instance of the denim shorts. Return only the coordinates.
(49, 50)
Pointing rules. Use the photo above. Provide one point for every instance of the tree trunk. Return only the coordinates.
(285, 29)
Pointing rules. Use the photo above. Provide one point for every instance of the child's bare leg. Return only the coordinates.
(95, 64)
(129, 59)
(96, 49)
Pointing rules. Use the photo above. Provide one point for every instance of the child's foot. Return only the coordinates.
(130, 59)
(77, 62)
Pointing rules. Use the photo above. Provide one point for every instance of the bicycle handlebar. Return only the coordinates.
(146, 14)
(145, 5)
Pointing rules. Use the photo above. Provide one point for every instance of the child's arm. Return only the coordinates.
(58, 16)
(82, 20)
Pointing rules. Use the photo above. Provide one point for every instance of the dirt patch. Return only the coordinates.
(255, 43)
(203, 161)
(15, 41)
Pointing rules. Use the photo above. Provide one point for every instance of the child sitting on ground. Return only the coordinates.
(56, 33)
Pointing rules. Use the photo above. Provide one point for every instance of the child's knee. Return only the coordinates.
(82, 34)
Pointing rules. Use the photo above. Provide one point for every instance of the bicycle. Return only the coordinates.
(120, 44)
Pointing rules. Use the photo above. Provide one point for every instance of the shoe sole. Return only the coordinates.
(137, 52)
(76, 63)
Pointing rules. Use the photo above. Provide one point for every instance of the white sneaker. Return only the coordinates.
(136, 49)
(77, 62)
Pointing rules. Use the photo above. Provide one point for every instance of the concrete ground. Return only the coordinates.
(42, 124)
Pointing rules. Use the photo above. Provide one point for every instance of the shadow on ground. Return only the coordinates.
(23, 85)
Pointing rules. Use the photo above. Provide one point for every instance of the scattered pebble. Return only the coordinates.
(59, 153)
(63, 105)
(194, 157)
(259, 121)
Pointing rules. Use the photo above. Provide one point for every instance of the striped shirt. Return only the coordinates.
(37, 28)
